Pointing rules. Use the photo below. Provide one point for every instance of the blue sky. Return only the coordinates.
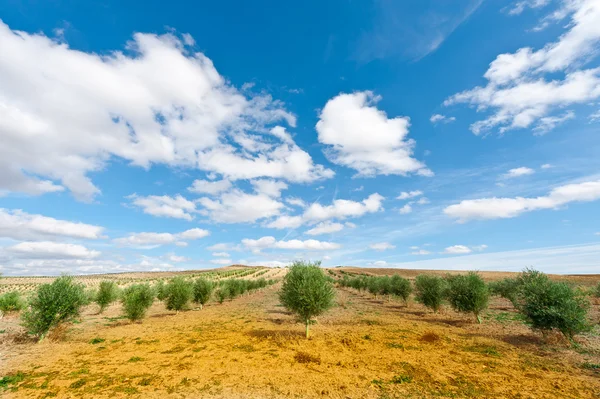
(416, 134)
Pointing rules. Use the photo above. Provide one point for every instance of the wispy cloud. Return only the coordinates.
(396, 33)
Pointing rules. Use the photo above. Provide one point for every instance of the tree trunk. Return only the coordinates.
(307, 323)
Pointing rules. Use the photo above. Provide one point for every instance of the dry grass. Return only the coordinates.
(252, 348)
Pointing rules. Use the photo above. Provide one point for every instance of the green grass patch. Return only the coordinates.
(14, 379)
(78, 384)
(487, 350)
(97, 340)
(135, 359)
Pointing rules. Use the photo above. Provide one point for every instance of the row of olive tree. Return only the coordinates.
(62, 300)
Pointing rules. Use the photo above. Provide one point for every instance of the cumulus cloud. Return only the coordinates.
(177, 258)
(439, 118)
(237, 206)
(153, 240)
(498, 208)
(123, 104)
(363, 138)
(409, 194)
(221, 261)
(463, 249)
(271, 242)
(518, 172)
(221, 254)
(209, 187)
(420, 252)
(20, 225)
(271, 188)
(296, 202)
(523, 90)
(546, 166)
(382, 246)
(50, 250)
(406, 209)
(325, 228)
(165, 206)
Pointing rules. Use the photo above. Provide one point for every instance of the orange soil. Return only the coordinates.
(252, 348)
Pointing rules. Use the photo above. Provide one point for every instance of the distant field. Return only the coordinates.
(251, 347)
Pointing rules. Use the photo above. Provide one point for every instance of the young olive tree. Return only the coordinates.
(53, 304)
(11, 302)
(468, 293)
(400, 287)
(136, 300)
(178, 292)
(108, 292)
(430, 291)
(549, 305)
(306, 291)
(203, 289)
(160, 289)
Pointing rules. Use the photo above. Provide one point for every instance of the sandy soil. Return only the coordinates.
(252, 348)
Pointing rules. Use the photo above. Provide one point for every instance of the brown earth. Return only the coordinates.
(252, 348)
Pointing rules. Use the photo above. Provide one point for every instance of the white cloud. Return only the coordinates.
(271, 188)
(286, 222)
(379, 263)
(219, 247)
(20, 225)
(237, 206)
(595, 116)
(420, 252)
(457, 249)
(296, 202)
(221, 254)
(181, 244)
(382, 246)
(177, 258)
(410, 194)
(423, 201)
(153, 240)
(221, 261)
(518, 172)
(350, 225)
(364, 139)
(523, 90)
(325, 228)
(209, 187)
(123, 104)
(435, 118)
(406, 209)
(520, 6)
(341, 209)
(546, 166)
(271, 242)
(497, 208)
(165, 206)
(50, 250)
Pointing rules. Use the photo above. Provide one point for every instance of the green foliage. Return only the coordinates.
(221, 294)
(203, 289)
(53, 304)
(430, 291)
(468, 293)
(306, 291)
(108, 292)
(89, 296)
(178, 293)
(549, 305)
(507, 288)
(160, 289)
(11, 302)
(400, 287)
(136, 300)
(596, 291)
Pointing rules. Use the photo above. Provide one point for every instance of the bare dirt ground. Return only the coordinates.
(252, 348)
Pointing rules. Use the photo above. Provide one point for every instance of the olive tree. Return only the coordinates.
(202, 291)
(306, 291)
(136, 300)
(549, 305)
(468, 293)
(108, 292)
(400, 287)
(53, 304)
(430, 291)
(178, 293)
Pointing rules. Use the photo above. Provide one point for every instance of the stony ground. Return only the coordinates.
(252, 348)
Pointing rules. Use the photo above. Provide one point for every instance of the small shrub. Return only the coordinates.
(468, 293)
(430, 291)
(136, 301)
(548, 305)
(306, 291)
(107, 294)
(507, 288)
(400, 287)
(178, 293)
(221, 294)
(11, 302)
(159, 288)
(53, 304)
(203, 289)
